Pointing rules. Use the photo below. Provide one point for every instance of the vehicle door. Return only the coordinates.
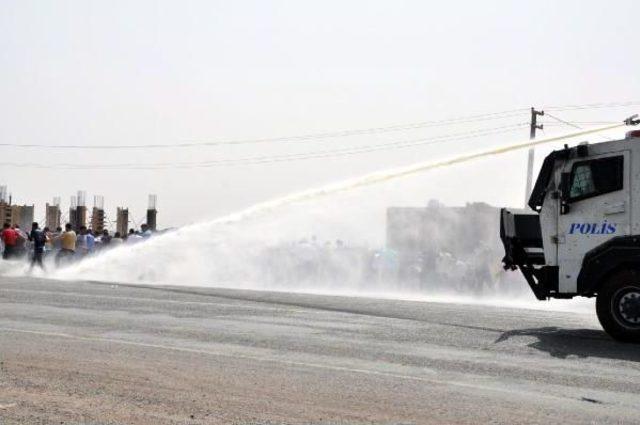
(595, 207)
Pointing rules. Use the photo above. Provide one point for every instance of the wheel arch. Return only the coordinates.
(606, 260)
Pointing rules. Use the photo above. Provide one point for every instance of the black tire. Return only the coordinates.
(618, 306)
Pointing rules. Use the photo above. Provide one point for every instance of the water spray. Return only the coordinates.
(139, 254)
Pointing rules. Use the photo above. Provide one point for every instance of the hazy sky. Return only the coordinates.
(145, 72)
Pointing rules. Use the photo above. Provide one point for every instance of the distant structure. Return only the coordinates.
(97, 214)
(78, 211)
(81, 210)
(4, 197)
(122, 221)
(79, 215)
(23, 215)
(152, 213)
(20, 215)
(453, 229)
(53, 214)
(17, 215)
(5, 205)
(73, 212)
(445, 248)
(5, 213)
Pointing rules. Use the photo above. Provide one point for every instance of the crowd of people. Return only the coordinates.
(310, 263)
(64, 245)
(306, 263)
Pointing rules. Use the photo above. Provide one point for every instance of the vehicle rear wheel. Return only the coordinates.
(618, 306)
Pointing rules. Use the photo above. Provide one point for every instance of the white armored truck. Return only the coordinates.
(583, 236)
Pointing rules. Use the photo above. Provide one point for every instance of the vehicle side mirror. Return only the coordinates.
(565, 185)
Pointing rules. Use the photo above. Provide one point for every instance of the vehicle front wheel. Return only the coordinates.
(618, 306)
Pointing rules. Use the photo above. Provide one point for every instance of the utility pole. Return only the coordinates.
(532, 135)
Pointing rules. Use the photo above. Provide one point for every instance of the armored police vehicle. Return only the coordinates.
(583, 236)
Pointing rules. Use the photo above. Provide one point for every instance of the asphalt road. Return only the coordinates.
(90, 353)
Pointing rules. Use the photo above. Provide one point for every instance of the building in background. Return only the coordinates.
(152, 213)
(455, 229)
(5, 213)
(79, 215)
(5, 205)
(73, 212)
(5, 198)
(97, 214)
(122, 221)
(16, 215)
(24, 216)
(81, 210)
(53, 214)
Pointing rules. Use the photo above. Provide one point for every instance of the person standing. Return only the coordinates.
(21, 243)
(48, 247)
(90, 241)
(105, 239)
(145, 231)
(67, 244)
(38, 238)
(116, 240)
(81, 241)
(56, 241)
(133, 237)
(9, 238)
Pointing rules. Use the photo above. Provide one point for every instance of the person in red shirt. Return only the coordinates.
(10, 239)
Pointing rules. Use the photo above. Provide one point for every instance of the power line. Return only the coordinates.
(299, 138)
(594, 106)
(279, 158)
(357, 151)
(582, 122)
(572, 124)
(324, 135)
(563, 121)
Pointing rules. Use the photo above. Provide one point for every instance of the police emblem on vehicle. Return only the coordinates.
(604, 228)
